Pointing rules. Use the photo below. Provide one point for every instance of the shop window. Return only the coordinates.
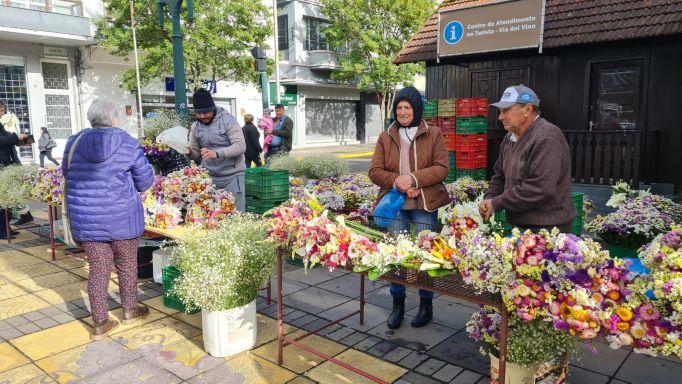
(14, 92)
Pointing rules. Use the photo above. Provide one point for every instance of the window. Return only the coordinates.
(57, 92)
(283, 32)
(616, 91)
(14, 92)
(314, 38)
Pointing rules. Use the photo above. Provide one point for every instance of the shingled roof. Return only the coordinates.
(569, 22)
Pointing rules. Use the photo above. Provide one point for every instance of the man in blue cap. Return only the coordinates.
(217, 139)
(532, 174)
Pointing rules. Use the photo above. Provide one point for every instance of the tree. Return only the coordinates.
(373, 32)
(216, 44)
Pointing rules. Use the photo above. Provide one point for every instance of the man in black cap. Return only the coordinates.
(217, 139)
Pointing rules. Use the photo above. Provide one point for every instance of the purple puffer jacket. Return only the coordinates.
(107, 171)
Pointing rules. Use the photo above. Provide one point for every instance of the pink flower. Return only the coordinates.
(648, 312)
(533, 260)
(554, 308)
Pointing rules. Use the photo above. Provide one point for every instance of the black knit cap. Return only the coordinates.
(412, 96)
(203, 101)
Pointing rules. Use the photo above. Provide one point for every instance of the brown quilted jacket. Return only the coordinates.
(428, 164)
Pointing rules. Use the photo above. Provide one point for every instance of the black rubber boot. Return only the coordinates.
(425, 313)
(24, 219)
(396, 317)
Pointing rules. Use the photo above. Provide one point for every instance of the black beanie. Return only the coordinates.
(412, 96)
(203, 101)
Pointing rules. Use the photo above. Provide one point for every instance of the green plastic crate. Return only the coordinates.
(576, 226)
(270, 192)
(476, 173)
(466, 125)
(169, 273)
(451, 160)
(430, 108)
(261, 206)
(265, 177)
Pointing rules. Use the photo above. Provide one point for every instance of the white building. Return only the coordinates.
(51, 69)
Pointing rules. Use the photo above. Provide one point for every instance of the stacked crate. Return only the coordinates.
(471, 143)
(265, 189)
(446, 123)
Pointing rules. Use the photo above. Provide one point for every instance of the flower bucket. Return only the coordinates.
(549, 372)
(621, 252)
(229, 332)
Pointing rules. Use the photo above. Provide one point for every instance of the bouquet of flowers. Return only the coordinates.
(462, 218)
(635, 223)
(153, 149)
(392, 252)
(465, 189)
(16, 184)
(48, 185)
(622, 192)
(349, 192)
(485, 261)
(530, 343)
(166, 216)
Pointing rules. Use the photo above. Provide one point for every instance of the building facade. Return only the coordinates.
(325, 112)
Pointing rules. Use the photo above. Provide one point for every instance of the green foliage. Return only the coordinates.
(226, 268)
(311, 167)
(374, 31)
(164, 119)
(16, 184)
(216, 44)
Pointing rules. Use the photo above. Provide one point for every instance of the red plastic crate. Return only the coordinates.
(447, 125)
(472, 111)
(471, 102)
(450, 141)
(472, 142)
(432, 121)
(471, 159)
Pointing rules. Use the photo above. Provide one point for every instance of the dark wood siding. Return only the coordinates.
(561, 78)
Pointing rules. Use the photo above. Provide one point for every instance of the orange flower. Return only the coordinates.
(624, 313)
(598, 297)
(622, 326)
(613, 295)
(564, 310)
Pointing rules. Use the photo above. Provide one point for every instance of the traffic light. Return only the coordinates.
(259, 54)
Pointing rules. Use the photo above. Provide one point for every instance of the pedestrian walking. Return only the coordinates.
(532, 175)
(217, 139)
(45, 146)
(252, 142)
(411, 156)
(282, 133)
(104, 169)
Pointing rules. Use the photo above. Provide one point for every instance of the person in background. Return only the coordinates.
(252, 142)
(532, 175)
(411, 156)
(103, 178)
(282, 133)
(8, 141)
(217, 139)
(45, 146)
(10, 121)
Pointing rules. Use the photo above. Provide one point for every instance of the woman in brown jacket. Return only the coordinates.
(411, 156)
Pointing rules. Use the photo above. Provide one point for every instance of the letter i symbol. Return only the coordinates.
(453, 33)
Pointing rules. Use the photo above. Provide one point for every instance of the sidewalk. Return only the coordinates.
(340, 151)
(45, 327)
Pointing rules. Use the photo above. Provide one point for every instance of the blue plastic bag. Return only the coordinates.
(388, 208)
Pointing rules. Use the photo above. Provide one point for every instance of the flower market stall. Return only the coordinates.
(15, 189)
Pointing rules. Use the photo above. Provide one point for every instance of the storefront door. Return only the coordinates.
(14, 92)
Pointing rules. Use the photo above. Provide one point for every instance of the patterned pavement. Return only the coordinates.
(45, 327)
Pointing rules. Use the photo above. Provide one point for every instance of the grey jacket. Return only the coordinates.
(223, 135)
(532, 178)
(45, 141)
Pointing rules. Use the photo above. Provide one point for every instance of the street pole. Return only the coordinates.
(178, 58)
(140, 117)
(274, 16)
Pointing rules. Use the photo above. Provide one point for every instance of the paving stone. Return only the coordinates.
(286, 310)
(113, 304)
(4, 325)
(367, 343)
(50, 311)
(466, 377)
(348, 285)
(299, 322)
(34, 316)
(353, 338)
(340, 332)
(78, 313)
(638, 368)
(9, 334)
(63, 318)
(415, 378)
(16, 321)
(79, 302)
(397, 354)
(28, 328)
(317, 323)
(607, 362)
(312, 276)
(65, 307)
(271, 310)
(314, 300)
(448, 372)
(461, 350)
(413, 359)
(430, 366)
(46, 323)
(382, 348)
(374, 315)
(419, 339)
(289, 317)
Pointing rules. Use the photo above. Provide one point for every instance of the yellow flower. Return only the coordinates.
(580, 315)
(523, 290)
(637, 331)
(624, 313)
(623, 326)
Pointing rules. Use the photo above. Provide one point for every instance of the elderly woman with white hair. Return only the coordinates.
(104, 169)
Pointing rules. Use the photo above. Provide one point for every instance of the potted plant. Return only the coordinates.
(535, 348)
(222, 273)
